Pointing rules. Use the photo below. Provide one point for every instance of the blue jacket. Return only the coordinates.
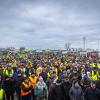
(40, 90)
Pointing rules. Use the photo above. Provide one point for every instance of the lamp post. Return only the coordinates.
(84, 43)
(98, 44)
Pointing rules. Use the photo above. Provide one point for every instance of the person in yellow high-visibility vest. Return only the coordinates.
(95, 75)
(8, 71)
(50, 73)
(26, 88)
(2, 93)
(98, 66)
(92, 65)
(33, 80)
(53, 77)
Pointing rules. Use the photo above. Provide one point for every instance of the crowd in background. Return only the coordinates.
(47, 77)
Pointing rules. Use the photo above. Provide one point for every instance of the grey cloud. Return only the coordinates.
(49, 23)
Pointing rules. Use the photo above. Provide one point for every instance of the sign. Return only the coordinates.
(83, 53)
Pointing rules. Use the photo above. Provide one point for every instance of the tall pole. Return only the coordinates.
(68, 46)
(98, 43)
(84, 42)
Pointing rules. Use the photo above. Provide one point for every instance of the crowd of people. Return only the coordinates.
(47, 77)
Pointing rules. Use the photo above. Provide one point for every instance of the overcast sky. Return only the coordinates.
(49, 23)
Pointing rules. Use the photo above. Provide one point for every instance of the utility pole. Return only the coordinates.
(68, 46)
(84, 43)
(98, 44)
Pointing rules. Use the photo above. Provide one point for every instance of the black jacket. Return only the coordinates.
(92, 94)
(8, 86)
(56, 92)
(66, 88)
(98, 84)
(18, 82)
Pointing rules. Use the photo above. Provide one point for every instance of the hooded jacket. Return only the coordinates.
(56, 92)
(76, 93)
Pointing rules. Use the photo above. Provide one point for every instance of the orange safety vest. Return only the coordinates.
(33, 81)
(23, 93)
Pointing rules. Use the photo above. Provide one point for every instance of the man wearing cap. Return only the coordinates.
(56, 92)
(92, 93)
(51, 79)
(74, 76)
(76, 92)
(64, 75)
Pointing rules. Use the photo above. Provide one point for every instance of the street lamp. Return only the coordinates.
(98, 43)
(84, 42)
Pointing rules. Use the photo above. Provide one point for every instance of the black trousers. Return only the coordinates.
(33, 95)
(18, 93)
(27, 97)
(9, 95)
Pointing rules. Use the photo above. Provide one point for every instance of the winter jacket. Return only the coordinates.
(8, 86)
(18, 82)
(76, 93)
(92, 94)
(66, 85)
(41, 89)
(56, 92)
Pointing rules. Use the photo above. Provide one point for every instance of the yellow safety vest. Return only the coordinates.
(33, 80)
(98, 65)
(24, 93)
(93, 65)
(7, 72)
(1, 94)
(95, 76)
(57, 77)
(48, 75)
(24, 69)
